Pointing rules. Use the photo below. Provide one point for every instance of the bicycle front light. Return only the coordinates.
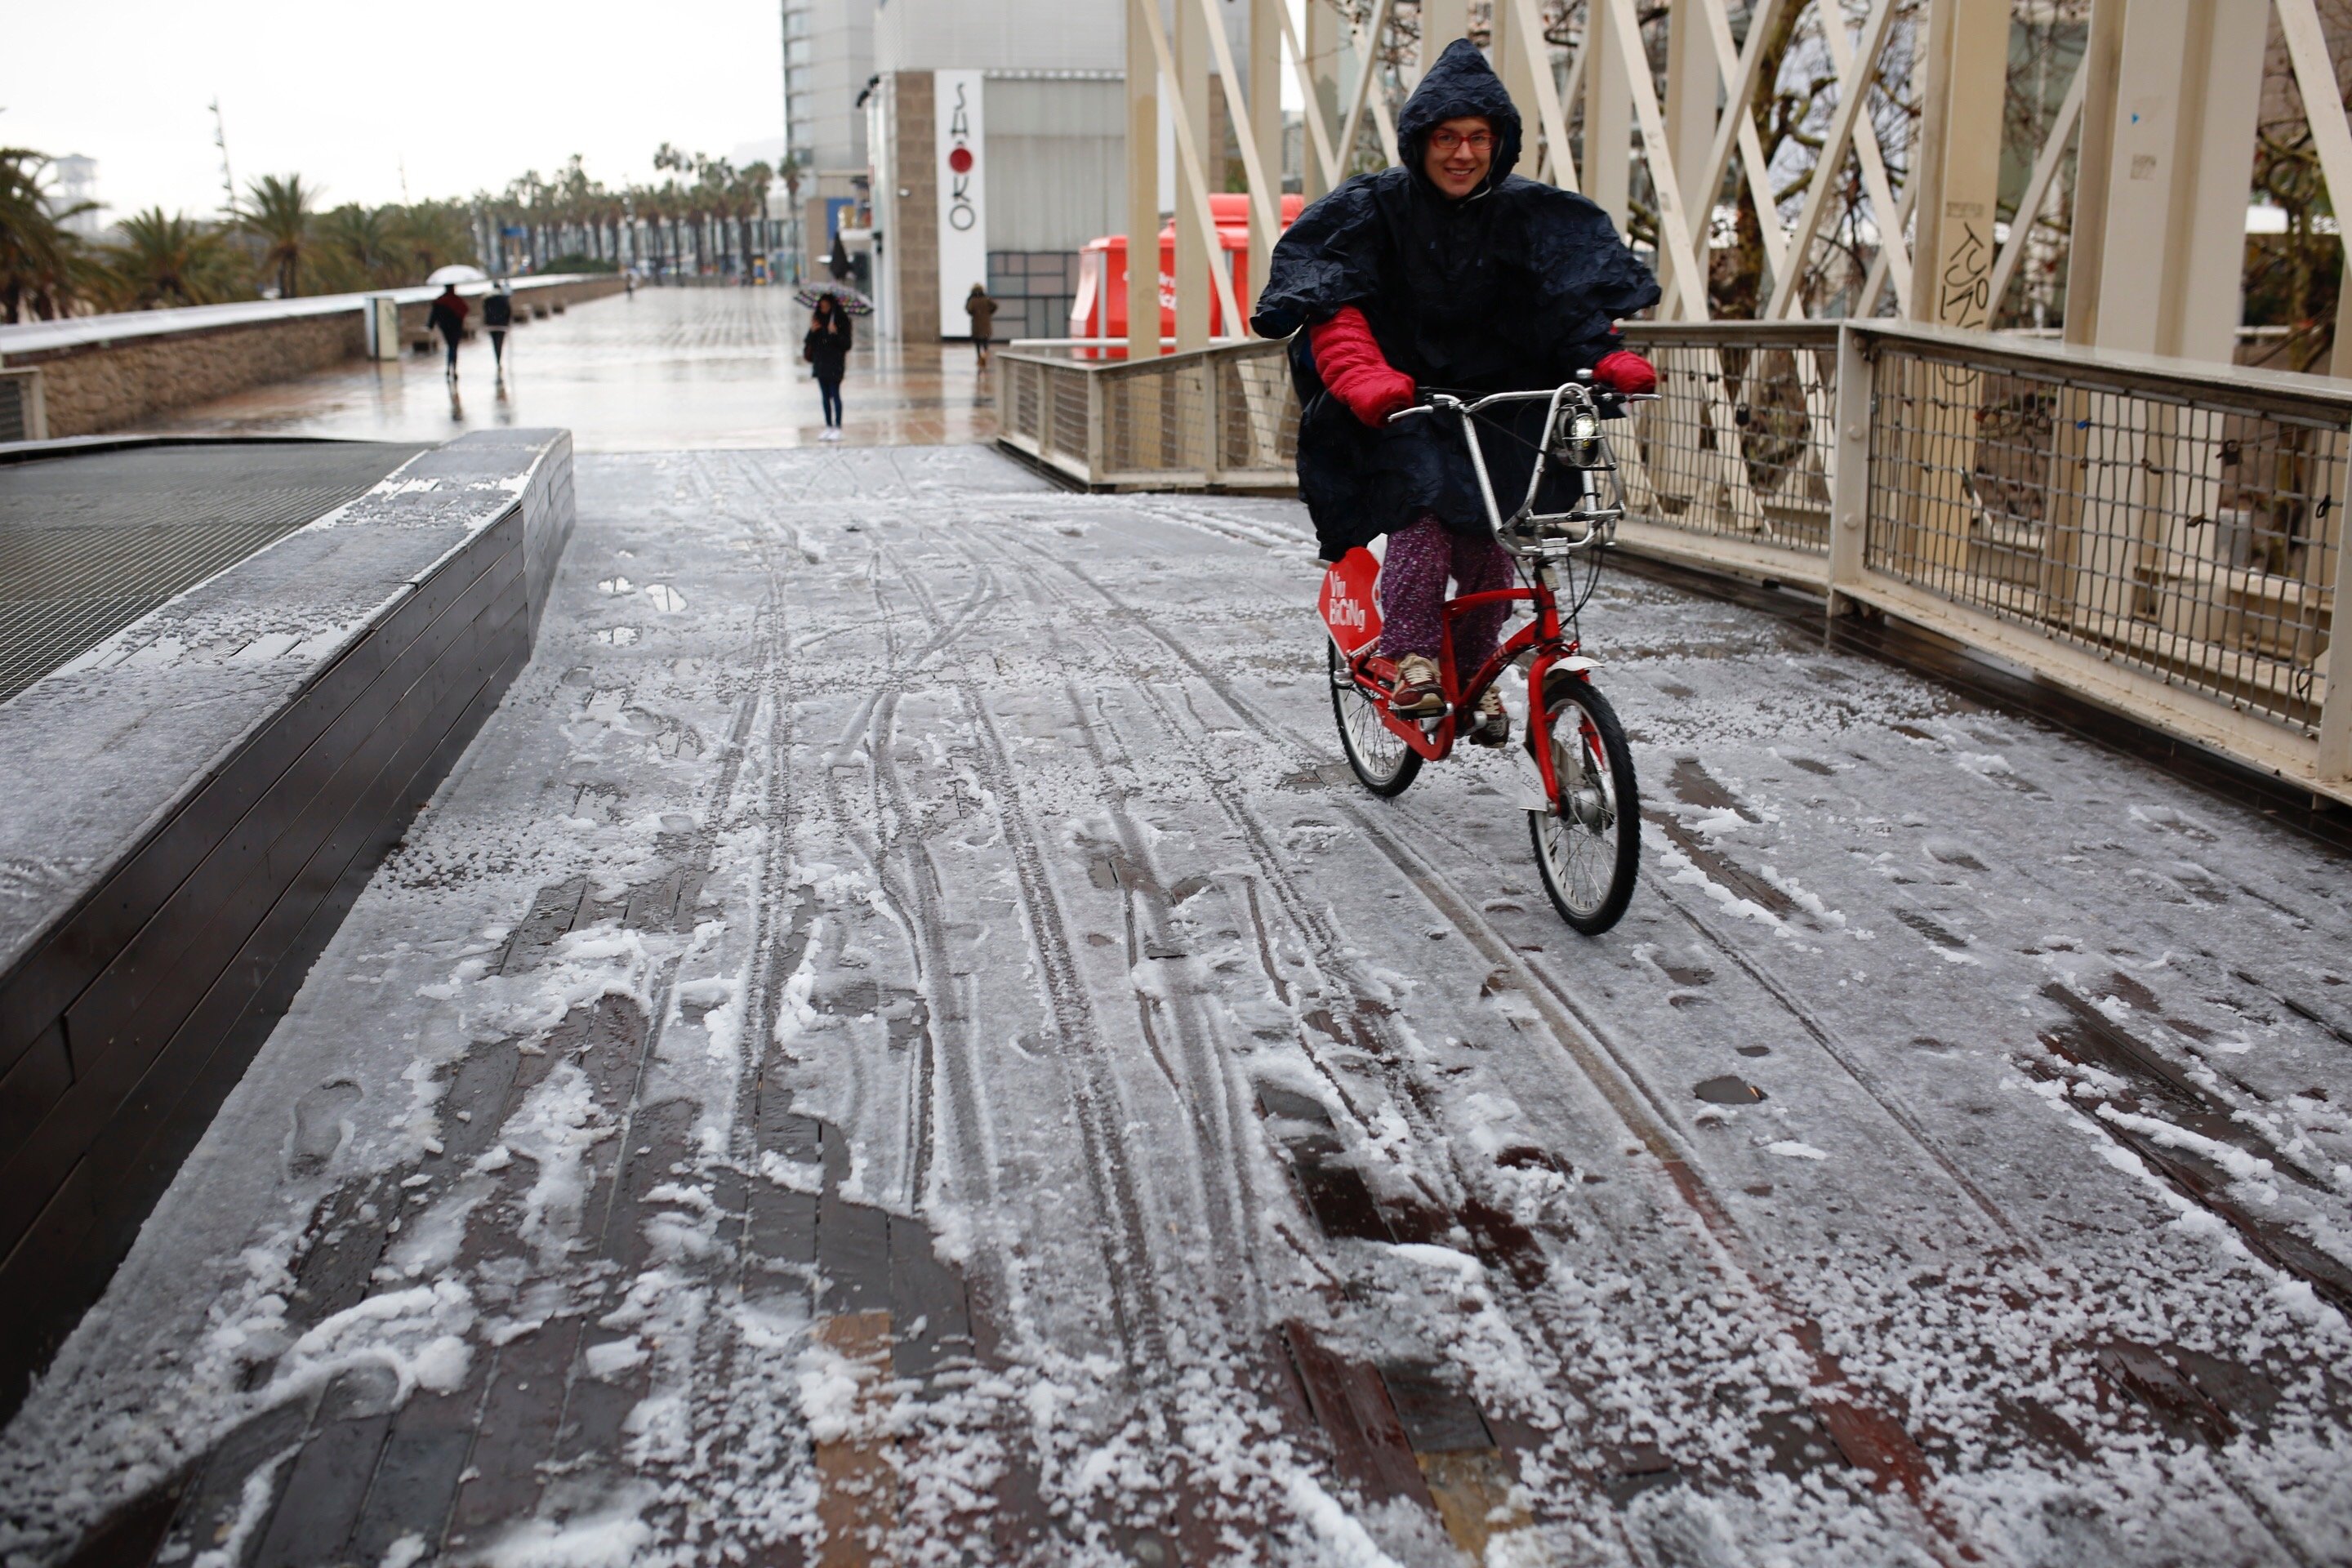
(1579, 439)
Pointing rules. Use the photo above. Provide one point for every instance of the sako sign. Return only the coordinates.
(964, 205)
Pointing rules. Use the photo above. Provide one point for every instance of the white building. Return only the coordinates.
(996, 132)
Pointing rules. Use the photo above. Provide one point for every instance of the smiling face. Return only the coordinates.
(1458, 154)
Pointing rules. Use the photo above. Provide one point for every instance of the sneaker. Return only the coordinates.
(1415, 694)
(1493, 726)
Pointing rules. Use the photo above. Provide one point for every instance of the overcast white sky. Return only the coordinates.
(468, 95)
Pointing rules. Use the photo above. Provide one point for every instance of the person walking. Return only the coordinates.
(497, 316)
(448, 319)
(983, 312)
(826, 349)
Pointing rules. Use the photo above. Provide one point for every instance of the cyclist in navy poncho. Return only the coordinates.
(1448, 273)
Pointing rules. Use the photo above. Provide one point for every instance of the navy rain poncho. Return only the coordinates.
(1515, 287)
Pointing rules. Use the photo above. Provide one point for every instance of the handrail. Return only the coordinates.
(2163, 537)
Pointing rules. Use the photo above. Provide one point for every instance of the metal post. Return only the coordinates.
(2335, 757)
(1196, 242)
(2179, 128)
(1850, 469)
(1442, 22)
(1321, 44)
(1143, 189)
(1691, 77)
(1608, 120)
(1266, 130)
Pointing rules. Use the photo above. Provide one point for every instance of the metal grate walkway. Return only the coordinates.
(88, 543)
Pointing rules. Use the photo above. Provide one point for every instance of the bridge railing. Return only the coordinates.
(1223, 417)
(2164, 538)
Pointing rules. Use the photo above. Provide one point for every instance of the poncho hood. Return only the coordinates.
(1459, 84)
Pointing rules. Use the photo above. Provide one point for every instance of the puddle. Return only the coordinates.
(1728, 1090)
(615, 585)
(664, 597)
(618, 636)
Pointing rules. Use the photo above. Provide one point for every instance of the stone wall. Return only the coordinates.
(96, 387)
(110, 386)
(916, 247)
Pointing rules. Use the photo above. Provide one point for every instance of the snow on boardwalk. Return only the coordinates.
(901, 1042)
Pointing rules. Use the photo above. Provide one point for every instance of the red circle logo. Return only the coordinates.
(960, 160)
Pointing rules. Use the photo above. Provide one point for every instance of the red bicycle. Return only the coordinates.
(1577, 782)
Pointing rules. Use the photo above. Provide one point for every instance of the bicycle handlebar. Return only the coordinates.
(1446, 403)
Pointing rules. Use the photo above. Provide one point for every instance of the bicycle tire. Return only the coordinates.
(1385, 774)
(1572, 860)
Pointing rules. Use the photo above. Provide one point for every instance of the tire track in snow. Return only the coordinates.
(1874, 1442)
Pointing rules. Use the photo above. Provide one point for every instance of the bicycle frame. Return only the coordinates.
(1542, 643)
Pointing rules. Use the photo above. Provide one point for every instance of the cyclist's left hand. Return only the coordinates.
(1626, 372)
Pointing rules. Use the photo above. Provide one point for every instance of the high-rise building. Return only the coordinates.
(76, 178)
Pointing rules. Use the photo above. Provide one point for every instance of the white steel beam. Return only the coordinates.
(1266, 199)
(1143, 187)
(1527, 31)
(1608, 114)
(1320, 155)
(1673, 220)
(1192, 183)
(2037, 187)
(1851, 82)
(1368, 41)
(1874, 165)
(1738, 126)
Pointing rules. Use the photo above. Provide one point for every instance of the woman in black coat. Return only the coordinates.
(826, 349)
(1446, 272)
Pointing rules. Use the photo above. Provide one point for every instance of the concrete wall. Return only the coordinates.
(225, 814)
(91, 388)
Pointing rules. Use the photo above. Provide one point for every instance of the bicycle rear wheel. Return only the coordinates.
(1379, 757)
(1589, 847)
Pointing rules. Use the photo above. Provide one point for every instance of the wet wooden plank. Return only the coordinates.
(853, 1242)
(857, 1485)
(320, 1500)
(517, 1431)
(1368, 1443)
(417, 1478)
(928, 1304)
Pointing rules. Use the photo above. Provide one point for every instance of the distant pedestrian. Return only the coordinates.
(983, 312)
(826, 349)
(448, 319)
(498, 315)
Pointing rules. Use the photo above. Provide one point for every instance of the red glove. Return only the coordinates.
(1349, 361)
(1625, 372)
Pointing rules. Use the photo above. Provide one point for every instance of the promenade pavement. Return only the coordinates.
(902, 1042)
(670, 368)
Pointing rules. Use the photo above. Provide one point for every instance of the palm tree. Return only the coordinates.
(43, 267)
(164, 259)
(426, 235)
(278, 215)
(361, 249)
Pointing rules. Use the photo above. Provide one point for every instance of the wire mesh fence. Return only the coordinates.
(1739, 442)
(2176, 530)
(1221, 417)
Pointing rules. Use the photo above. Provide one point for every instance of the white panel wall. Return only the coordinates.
(999, 35)
(1057, 158)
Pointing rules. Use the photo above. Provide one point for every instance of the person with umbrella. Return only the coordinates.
(448, 317)
(826, 349)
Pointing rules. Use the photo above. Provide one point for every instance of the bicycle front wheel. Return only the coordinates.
(1379, 757)
(1588, 845)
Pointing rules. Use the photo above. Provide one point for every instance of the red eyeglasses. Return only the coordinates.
(1454, 141)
